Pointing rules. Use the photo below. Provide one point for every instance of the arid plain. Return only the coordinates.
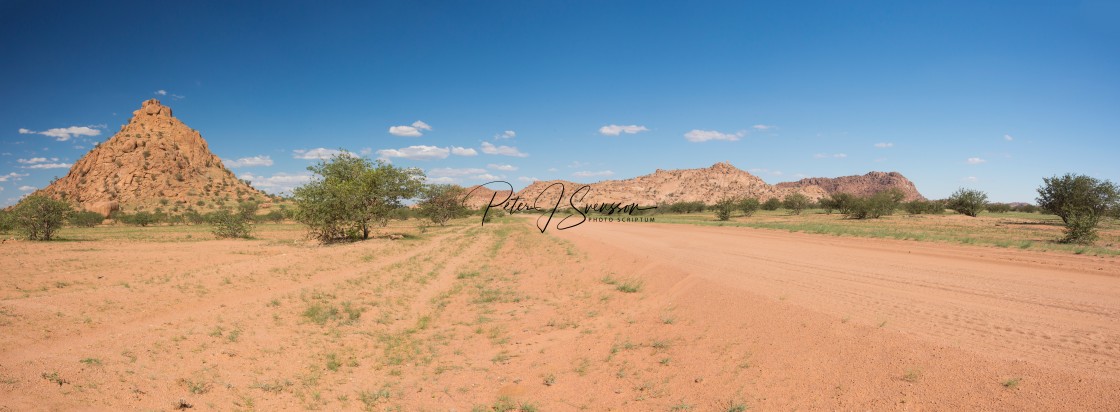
(604, 316)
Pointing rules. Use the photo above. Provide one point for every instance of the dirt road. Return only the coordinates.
(1057, 315)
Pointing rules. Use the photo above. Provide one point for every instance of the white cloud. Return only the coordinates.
(884, 145)
(439, 180)
(12, 176)
(463, 151)
(696, 135)
(410, 131)
(34, 160)
(1008, 137)
(416, 153)
(975, 160)
(508, 134)
(63, 134)
(315, 154)
(27, 188)
(970, 179)
(453, 172)
(279, 182)
(504, 168)
(452, 175)
(757, 171)
(576, 164)
(553, 169)
(489, 148)
(587, 173)
(832, 155)
(763, 127)
(615, 130)
(161, 92)
(261, 160)
(49, 166)
(528, 179)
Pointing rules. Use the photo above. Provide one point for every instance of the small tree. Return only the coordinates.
(968, 202)
(442, 203)
(749, 206)
(85, 219)
(229, 224)
(1081, 201)
(5, 221)
(38, 217)
(351, 195)
(772, 204)
(724, 208)
(795, 203)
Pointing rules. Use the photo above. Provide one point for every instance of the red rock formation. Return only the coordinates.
(153, 157)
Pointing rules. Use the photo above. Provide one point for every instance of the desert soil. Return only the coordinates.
(605, 316)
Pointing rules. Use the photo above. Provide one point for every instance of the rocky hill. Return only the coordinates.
(153, 161)
(708, 185)
(865, 185)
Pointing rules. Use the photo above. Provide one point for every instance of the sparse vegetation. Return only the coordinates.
(969, 202)
(350, 195)
(442, 203)
(749, 206)
(724, 208)
(85, 219)
(795, 203)
(1081, 201)
(772, 204)
(38, 217)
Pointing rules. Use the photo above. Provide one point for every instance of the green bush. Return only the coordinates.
(230, 224)
(39, 217)
(1081, 201)
(1026, 208)
(749, 205)
(795, 203)
(139, 218)
(85, 219)
(724, 208)
(999, 208)
(350, 195)
(5, 221)
(878, 205)
(686, 207)
(772, 204)
(931, 207)
(968, 202)
(442, 203)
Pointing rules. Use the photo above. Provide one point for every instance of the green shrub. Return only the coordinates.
(878, 205)
(85, 219)
(724, 208)
(5, 221)
(139, 218)
(999, 208)
(795, 203)
(442, 203)
(231, 224)
(772, 204)
(968, 202)
(749, 205)
(39, 217)
(931, 207)
(1081, 201)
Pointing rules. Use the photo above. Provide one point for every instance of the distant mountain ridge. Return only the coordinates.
(708, 185)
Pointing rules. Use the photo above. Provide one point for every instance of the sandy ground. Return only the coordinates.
(605, 316)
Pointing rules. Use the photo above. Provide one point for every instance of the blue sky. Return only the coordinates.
(987, 95)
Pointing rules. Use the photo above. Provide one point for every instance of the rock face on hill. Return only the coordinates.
(708, 185)
(865, 185)
(153, 161)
